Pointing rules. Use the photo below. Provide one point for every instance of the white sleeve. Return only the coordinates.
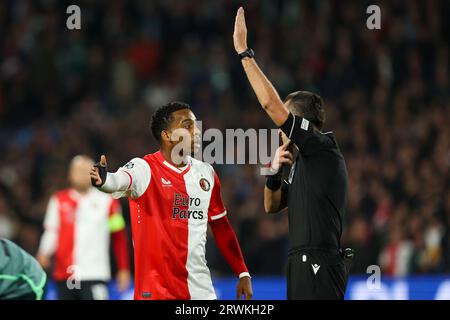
(131, 180)
(49, 238)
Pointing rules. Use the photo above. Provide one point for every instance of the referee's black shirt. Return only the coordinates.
(317, 192)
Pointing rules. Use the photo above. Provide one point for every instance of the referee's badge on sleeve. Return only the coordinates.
(305, 124)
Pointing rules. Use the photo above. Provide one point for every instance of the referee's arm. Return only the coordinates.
(274, 200)
(265, 92)
(275, 191)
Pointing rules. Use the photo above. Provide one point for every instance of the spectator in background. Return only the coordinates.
(446, 238)
(363, 239)
(78, 225)
(7, 225)
(396, 256)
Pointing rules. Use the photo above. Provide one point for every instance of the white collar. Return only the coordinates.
(179, 170)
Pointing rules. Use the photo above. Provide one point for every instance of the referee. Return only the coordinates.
(316, 190)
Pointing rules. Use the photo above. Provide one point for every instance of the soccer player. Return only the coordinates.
(317, 190)
(21, 276)
(173, 197)
(79, 223)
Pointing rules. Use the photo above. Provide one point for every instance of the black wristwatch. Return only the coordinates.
(247, 53)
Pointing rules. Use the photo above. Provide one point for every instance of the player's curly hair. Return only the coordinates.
(163, 116)
(309, 106)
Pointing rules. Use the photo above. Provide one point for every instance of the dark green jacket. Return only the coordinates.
(20, 274)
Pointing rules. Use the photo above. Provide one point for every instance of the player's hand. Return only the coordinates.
(244, 287)
(44, 261)
(123, 279)
(283, 156)
(240, 32)
(98, 172)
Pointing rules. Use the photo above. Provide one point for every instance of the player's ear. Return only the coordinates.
(165, 135)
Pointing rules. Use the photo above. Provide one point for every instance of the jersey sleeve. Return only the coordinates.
(216, 208)
(138, 173)
(49, 238)
(302, 133)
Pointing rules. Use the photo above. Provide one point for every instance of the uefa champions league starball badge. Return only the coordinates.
(129, 165)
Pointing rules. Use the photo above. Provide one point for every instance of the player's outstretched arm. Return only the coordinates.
(131, 180)
(108, 182)
(264, 90)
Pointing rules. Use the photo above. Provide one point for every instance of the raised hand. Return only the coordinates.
(240, 32)
(283, 156)
(98, 172)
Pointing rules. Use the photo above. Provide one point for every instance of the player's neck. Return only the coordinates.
(82, 191)
(167, 154)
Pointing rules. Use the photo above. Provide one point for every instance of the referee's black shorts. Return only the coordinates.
(316, 274)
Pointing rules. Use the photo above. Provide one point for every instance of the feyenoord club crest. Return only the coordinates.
(204, 184)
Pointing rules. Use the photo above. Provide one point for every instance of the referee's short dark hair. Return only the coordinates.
(163, 116)
(307, 105)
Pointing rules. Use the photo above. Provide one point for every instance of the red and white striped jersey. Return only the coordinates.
(78, 231)
(170, 209)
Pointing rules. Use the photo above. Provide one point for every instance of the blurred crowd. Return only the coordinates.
(93, 91)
